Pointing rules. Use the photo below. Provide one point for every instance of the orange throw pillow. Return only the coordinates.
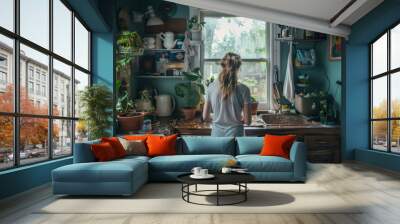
(116, 145)
(103, 152)
(161, 145)
(135, 137)
(277, 145)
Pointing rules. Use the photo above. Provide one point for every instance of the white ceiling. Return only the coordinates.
(319, 9)
(314, 15)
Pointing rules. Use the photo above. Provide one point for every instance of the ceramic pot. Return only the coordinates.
(189, 113)
(254, 106)
(131, 123)
(165, 105)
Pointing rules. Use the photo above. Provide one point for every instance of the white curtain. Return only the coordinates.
(288, 85)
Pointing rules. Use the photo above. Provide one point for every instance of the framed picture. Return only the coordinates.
(335, 48)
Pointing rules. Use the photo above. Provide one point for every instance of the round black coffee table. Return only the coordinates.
(238, 179)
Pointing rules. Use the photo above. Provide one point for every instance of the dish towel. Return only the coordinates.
(288, 84)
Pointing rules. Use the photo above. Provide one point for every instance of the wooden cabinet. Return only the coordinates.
(323, 148)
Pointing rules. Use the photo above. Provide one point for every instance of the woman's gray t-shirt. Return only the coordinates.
(227, 112)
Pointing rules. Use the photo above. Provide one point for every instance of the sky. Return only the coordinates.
(35, 27)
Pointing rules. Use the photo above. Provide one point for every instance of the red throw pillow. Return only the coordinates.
(135, 137)
(277, 145)
(161, 145)
(116, 145)
(103, 152)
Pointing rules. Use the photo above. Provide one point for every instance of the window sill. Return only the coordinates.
(30, 166)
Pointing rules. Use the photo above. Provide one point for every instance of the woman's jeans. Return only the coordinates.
(221, 131)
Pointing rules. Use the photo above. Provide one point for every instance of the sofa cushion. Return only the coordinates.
(120, 170)
(257, 163)
(185, 163)
(116, 145)
(249, 145)
(196, 145)
(161, 145)
(103, 152)
(277, 145)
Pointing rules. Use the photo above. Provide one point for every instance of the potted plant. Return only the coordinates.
(128, 118)
(254, 105)
(195, 26)
(96, 104)
(191, 92)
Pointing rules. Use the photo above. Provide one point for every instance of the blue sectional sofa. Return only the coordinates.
(125, 176)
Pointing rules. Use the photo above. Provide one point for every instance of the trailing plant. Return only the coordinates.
(96, 104)
(192, 90)
(125, 105)
(194, 23)
(130, 45)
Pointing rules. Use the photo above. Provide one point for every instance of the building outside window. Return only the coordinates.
(384, 91)
(248, 38)
(57, 130)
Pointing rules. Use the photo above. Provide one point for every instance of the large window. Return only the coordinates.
(247, 37)
(40, 80)
(385, 92)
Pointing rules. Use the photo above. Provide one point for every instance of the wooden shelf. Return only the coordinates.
(164, 50)
(159, 77)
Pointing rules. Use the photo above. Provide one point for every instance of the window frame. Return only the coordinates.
(267, 58)
(16, 114)
(388, 74)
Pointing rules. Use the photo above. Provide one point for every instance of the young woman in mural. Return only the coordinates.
(228, 99)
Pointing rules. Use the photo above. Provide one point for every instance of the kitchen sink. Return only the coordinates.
(285, 120)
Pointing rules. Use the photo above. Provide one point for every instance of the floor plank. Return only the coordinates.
(377, 190)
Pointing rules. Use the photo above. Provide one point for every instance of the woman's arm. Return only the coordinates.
(247, 114)
(207, 111)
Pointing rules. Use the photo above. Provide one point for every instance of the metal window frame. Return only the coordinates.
(388, 74)
(267, 59)
(16, 114)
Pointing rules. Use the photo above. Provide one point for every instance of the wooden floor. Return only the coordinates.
(378, 189)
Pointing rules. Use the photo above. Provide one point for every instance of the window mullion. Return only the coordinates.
(389, 106)
(16, 70)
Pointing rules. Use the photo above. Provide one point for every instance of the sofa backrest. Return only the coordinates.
(249, 145)
(83, 152)
(193, 145)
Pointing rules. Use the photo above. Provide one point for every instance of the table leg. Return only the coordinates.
(245, 193)
(217, 194)
(195, 188)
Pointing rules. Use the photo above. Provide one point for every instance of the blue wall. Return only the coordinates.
(356, 85)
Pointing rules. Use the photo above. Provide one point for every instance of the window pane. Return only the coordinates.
(62, 138)
(395, 136)
(62, 29)
(252, 74)
(395, 95)
(35, 21)
(33, 139)
(395, 47)
(379, 135)
(62, 89)
(34, 97)
(6, 74)
(379, 98)
(243, 36)
(7, 14)
(81, 131)
(81, 81)
(379, 55)
(6, 142)
(81, 45)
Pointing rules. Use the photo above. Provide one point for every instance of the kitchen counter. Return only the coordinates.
(257, 128)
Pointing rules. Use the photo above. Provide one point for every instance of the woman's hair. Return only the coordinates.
(228, 77)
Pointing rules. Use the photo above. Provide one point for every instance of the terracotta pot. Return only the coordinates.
(130, 123)
(254, 107)
(189, 113)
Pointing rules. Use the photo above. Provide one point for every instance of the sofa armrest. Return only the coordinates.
(298, 155)
(83, 152)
